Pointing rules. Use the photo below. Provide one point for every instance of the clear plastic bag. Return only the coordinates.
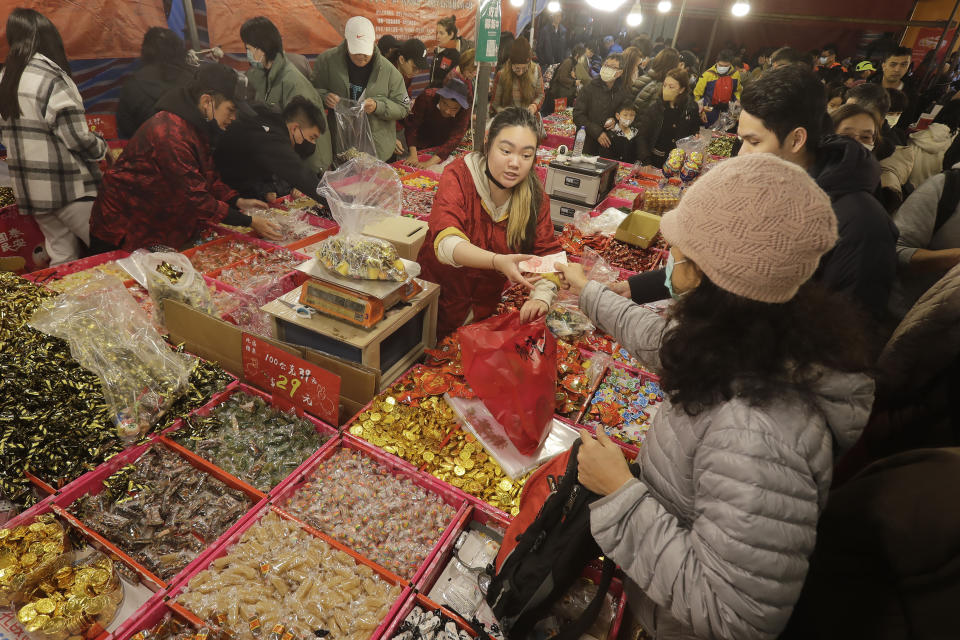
(606, 223)
(110, 335)
(361, 192)
(353, 133)
(170, 276)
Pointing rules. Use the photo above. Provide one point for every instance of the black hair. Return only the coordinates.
(835, 90)
(704, 361)
(642, 42)
(627, 104)
(578, 51)
(162, 46)
(667, 59)
(449, 25)
(856, 109)
(725, 55)
(898, 101)
(503, 52)
(897, 52)
(830, 48)
(872, 96)
(28, 32)
(788, 55)
(690, 61)
(950, 115)
(785, 99)
(261, 33)
(305, 112)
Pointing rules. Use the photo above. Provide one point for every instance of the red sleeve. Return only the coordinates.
(450, 204)
(546, 242)
(178, 159)
(459, 130)
(415, 119)
(219, 189)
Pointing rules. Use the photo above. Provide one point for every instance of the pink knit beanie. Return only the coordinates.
(756, 225)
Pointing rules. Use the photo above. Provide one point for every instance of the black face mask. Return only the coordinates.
(305, 149)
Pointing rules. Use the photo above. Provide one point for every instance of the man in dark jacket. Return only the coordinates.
(552, 41)
(165, 184)
(782, 114)
(263, 155)
(163, 60)
(597, 104)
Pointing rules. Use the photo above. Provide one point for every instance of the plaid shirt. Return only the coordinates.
(517, 97)
(51, 152)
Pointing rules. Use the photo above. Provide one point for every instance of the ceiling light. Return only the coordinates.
(664, 6)
(740, 8)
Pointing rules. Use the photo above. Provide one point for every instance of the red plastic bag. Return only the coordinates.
(21, 242)
(512, 367)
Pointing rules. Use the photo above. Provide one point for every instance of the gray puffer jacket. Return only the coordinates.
(716, 533)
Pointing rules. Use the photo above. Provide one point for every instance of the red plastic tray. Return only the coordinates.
(151, 616)
(396, 466)
(287, 282)
(321, 427)
(235, 534)
(59, 271)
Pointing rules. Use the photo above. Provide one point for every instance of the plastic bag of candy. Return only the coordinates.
(110, 335)
(362, 192)
(606, 223)
(171, 276)
(352, 135)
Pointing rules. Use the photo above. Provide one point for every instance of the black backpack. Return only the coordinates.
(550, 553)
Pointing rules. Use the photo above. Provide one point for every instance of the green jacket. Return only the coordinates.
(386, 87)
(277, 86)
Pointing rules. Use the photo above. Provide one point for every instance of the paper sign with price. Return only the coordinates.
(291, 379)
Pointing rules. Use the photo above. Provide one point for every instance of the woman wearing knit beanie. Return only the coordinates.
(763, 377)
(519, 83)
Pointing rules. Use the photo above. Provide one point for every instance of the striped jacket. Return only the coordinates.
(52, 154)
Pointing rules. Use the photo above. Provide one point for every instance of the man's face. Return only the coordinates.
(360, 59)
(224, 113)
(756, 137)
(448, 108)
(300, 133)
(895, 67)
(830, 56)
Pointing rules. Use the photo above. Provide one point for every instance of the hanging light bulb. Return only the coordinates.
(553, 7)
(740, 8)
(635, 17)
(606, 5)
(664, 6)
(516, 3)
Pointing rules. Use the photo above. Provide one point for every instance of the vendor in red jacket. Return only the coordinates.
(490, 213)
(424, 129)
(165, 184)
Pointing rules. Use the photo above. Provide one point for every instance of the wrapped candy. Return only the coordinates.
(162, 511)
(363, 259)
(220, 254)
(74, 280)
(721, 146)
(385, 517)
(623, 406)
(30, 554)
(171, 276)
(279, 579)
(661, 200)
(674, 163)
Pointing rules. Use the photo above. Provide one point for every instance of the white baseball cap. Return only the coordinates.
(360, 36)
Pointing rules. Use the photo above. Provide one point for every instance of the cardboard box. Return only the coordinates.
(406, 234)
(639, 229)
(219, 341)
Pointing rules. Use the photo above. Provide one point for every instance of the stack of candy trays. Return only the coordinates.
(142, 590)
(50, 274)
(92, 483)
(290, 493)
(166, 437)
(493, 520)
(234, 535)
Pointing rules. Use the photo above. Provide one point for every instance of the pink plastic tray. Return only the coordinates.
(396, 466)
(321, 427)
(150, 616)
(55, 273)
(253, 517)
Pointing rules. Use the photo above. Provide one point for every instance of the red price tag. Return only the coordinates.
(292, 380)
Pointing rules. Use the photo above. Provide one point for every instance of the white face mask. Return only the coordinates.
(893, 118)
(626, 122)
(722, 70)
(608, 75)
(868, 147)
(823, 59)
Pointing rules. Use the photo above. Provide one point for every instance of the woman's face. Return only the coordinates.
(671, 89)
(860, 127)
(519, 69)
(469, 71)
(512, 155)
(406, 67)
(835, 103)
(686, 275)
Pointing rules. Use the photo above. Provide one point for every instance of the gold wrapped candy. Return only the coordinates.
(29, 555)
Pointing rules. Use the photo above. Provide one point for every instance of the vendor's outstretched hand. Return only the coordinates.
(509, 265)
(600, 464)
(532, 309)
(251, 203)
(574, 275)
(266, 228)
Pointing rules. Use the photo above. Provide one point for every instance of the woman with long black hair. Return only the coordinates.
(51, 152)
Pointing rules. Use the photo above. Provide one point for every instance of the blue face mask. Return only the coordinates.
(253, 62)
(668, 272)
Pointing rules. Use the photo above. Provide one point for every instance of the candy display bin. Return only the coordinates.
(397, 467)
(256, 515)
(152, 616)
(211, 466)
(92, 483)
(419, 600)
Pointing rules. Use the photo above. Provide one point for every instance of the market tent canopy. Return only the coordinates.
(94, 28)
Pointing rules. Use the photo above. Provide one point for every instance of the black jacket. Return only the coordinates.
(139, 95)
(651, 122)
(863, 263)
(551, 45)
(255, 156)
(597, 102)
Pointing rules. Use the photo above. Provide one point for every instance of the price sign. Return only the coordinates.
(292, 380)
